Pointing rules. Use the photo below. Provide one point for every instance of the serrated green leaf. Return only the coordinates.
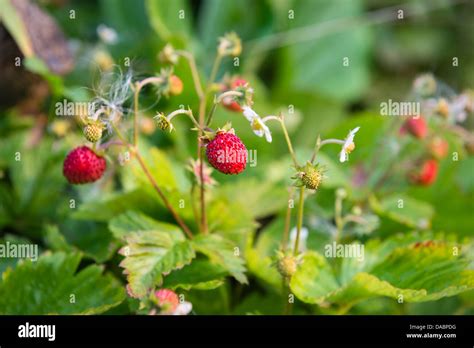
(151, 254)
(419, 272)
(221, 251)
(314, 280)
(199, 275)
(133, 221)
(52, 285)
(6, 262)
(405, 210)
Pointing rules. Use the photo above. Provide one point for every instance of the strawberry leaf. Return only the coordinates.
(416, 272)
(151, 254)
(200, 274)
(221, 252)
(53, 286)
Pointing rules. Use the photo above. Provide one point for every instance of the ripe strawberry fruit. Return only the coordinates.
(227, 153)
(82, 165)
(229, 102)
(416, 127)
(427, 174)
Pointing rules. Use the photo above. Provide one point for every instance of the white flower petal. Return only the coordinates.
(266, 131)
(249, 114)
(183, 308)
(258, 132)
(343, 156)
(303, 237)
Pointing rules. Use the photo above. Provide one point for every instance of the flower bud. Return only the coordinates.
(229, 45)
(168, 55)
(425, 85)
(163, 123)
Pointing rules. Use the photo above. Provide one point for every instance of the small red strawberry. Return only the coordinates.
(227, 153)
(82, 165)
(176, 85)
(229, 102)
(416, 127)
(427, 174)
(167, 300)
(438, 148)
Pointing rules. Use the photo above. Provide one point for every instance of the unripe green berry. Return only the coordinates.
(311, 178)
(93, 131)
(163, 123)
(287, 266)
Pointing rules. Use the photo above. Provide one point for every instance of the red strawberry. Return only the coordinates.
(427, 174)
(176, 85)
(438, 148)
(416, 127)
(82, 165)
(227, 153)
(229, 103)
(167, 300)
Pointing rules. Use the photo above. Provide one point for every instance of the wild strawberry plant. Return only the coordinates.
(196, 252)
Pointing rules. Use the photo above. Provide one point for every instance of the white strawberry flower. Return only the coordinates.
(107, 35)
(303, 237)
(348, 145)
(183, 308)
(258, 125)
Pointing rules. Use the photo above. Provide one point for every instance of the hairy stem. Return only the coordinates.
(188, 113)
(153, 182)
(202, 112)
(218, 100)
(338, 217)
(299, 223)
(285, 132)
(286, 230)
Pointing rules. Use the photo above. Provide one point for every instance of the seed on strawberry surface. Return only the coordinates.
(82, 165)
(227, 153)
